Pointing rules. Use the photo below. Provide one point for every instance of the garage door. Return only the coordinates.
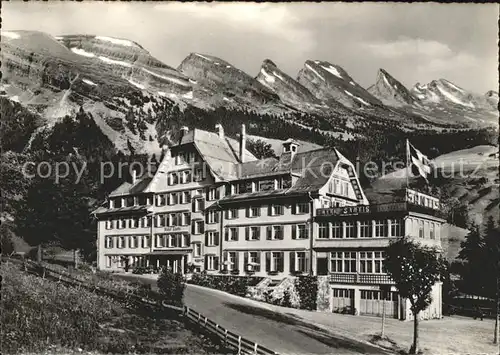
(343, 300)
(371, 303)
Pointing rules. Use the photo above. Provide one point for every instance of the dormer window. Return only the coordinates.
(290, 146)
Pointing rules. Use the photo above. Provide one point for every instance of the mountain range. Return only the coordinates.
(124, 88)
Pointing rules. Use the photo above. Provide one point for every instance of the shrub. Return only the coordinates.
(307, 288)
(286, 300)
(171, 286)
(237, 285)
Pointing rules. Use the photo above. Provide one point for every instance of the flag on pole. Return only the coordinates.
(417, 162)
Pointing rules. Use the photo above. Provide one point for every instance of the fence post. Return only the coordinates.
(206, 319)
(199, 317)
(239, 344)
(225, 338)
(255, 348)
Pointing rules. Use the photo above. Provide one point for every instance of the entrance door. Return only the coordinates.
(343, 300)
(372, 304)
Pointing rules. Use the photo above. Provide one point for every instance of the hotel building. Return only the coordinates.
(212, 206)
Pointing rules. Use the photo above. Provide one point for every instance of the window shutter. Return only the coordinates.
(206, 216)
(202, 205)
(259, 260)
(270, 210)
(226, 214)
(258, 233)
(236, 212)
(292, 261)
(224, 258)
(245, 260)
(169, 179)
(192, 227)
(216, 262)
(236, 265)
(217, 217)
(206, 238)
(281, 262)
(294, 231)
(216, 238)
(202, 228)
(248, 212)
(188, 219)
(258, 211)
(268, 261)
(217, 193)
(192, 205)
(294, 208)
(269, 232)
(187, 240)
(282, 233)
(207, 194)
(247, 233)
(226, 234)
(237, 232)
(306, 266)
(205, 261)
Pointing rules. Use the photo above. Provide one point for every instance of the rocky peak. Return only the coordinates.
(390, 91)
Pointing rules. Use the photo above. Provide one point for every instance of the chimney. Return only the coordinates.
(290, 146)
(243, 143)
(184, 130)
(220, 130)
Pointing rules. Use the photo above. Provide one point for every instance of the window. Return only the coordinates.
(172, 241)
(300, 231)
(186, 197)
(371, 262)
(232, 261)
(145, 241)
(255, 186)
(274, 232)
(350, 229)
(278, 183)
(232, 213)
(173, 198)
(276, 261)
(253, 212)
(365, 229)
(197, 227)
(133, 241)
(276, 210)
(298, 261)
(185, 177)
(235, 189)
(426, 230)
(108, 242)
(211, 262)
(173, 179)
(161, 200)
(145, 222)
(380, 228)
(324, 230)
(161, 240)
(420, 229)
(197, 250)
(397, 228)
(212, 217)
(109, 261)
(337, 230)
(212, 194)
(232, 234)
(302, 208)
(134, 222)
(211, 239)
(345, 188)
(253, 261)
(433, 231)
(109, 224)
(198, 175)
(252, 233)
(121, 242)
(122, 223)
(185, 219)
(343, 261)
(160, 220)
(197, 205)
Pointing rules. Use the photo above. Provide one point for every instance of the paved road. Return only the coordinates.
(281, 332)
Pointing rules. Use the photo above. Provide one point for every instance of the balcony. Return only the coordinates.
(374, 279)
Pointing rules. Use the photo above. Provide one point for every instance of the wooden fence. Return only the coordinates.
(229, 339)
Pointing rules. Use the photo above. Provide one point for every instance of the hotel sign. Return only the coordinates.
(172, 229)
(418, 198)
(343, 211)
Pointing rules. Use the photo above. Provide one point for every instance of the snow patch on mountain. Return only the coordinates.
(453, 86)
(121, 42)
(202, 56)
(82, 52)
(138, 85)
(168, 78)
(333, 70)
(267, 77)
(115, 62)
(9, 34)
(89, 82)
(357, 98)
(314, 71)
(453, 98)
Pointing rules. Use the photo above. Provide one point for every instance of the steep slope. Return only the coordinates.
(445, 100)
(332, 83)
(289, 90)
(219, 83)
(390, 91)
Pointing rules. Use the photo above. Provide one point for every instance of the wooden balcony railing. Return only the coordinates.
(375, 279)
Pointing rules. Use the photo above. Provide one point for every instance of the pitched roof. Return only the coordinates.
(105, 210)
(131, 189)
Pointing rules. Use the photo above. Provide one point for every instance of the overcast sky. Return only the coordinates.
(413, 42)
